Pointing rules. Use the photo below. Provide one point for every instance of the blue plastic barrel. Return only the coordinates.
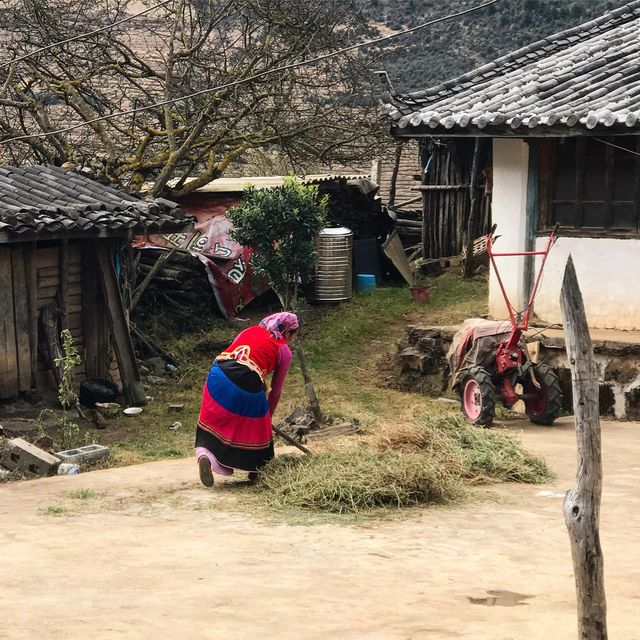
(366, 282)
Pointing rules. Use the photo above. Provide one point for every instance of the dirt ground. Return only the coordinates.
(153, 555)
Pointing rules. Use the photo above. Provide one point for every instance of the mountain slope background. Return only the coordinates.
(449, 49)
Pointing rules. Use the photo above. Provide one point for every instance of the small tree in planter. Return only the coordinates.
(280, 224)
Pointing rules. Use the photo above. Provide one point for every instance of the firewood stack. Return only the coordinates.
(180, 282)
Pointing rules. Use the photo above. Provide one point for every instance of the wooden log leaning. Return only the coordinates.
(582, 503)
(130, 374)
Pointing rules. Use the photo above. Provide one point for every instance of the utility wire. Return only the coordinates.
(85, 35)
(235, 83)
(617, 146)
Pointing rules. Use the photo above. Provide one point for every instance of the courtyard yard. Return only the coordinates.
(145, 552)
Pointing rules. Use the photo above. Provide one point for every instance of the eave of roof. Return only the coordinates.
(38, 201)
(583, 79)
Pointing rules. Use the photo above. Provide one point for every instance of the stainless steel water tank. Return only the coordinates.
(333, 280)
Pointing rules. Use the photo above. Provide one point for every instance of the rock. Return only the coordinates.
(621, 371)
(155, 380)
(108, 409)
(632, 402)
(175, 407)
(413, 359)
(155, 365)
(175, 426)
(45, 442)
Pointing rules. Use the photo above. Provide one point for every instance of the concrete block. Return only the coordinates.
(84, 455)
(28, 459)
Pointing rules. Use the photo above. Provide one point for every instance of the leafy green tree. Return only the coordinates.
(280, 225)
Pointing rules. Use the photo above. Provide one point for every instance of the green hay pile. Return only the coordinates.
(425, 463)
(479, 455)
(356, 480)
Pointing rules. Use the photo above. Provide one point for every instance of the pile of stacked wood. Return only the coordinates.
(180, 280)
(409, 226)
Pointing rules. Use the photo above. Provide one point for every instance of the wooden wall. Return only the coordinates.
(446, 197)
(32, 277)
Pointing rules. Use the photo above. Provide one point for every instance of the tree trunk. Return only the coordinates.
(582, 503)
(473, 209)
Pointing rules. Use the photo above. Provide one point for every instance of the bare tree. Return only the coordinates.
(320, 113)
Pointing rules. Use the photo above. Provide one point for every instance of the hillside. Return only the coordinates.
(449, 49)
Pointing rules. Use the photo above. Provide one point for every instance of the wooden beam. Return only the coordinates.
(473, 209)
(582, 503)
(129, 373)
(394, 174)
(440, 187)
(31, 275)
(21, 311)
(64, 280)
(9, 386)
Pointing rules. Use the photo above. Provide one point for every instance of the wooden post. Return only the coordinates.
(21, 310)
(473, 209)
(31, 274)
(9, 384)
(394, 174)
(63, 288)
(582, 503)
(127, 363)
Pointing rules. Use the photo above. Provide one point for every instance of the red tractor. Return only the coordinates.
(489, 360)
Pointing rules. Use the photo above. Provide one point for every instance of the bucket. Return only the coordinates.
(366, 282)
(420, 294)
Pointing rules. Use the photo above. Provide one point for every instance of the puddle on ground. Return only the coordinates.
(501, 599)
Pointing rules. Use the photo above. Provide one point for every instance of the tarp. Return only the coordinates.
(225, 261)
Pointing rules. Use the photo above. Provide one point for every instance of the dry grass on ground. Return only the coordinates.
(427, 462)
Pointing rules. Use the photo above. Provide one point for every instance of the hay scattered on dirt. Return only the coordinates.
(479, 455)
(357, 479)
(428, 462)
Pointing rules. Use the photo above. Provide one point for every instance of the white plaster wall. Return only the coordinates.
(508, 211)
(609, 275)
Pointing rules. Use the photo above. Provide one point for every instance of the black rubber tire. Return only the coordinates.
(487, 391)
(548, 379)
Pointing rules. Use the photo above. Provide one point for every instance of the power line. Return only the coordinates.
(85, 35)
(257, 76)
(617, 146)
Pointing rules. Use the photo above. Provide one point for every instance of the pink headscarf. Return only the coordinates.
(278, 323)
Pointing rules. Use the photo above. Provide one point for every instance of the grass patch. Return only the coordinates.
(83, 494)
(425, 463)
(54, 511)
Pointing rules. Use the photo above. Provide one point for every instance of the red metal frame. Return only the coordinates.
(509, 355)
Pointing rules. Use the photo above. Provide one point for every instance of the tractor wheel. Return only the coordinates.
(544, 408)
(478, 396)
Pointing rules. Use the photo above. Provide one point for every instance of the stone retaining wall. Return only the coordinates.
(420, 366)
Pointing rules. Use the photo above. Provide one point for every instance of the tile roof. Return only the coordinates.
(48, 200)
(587, 77)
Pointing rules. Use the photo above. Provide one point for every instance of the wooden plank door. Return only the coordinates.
(9, 382)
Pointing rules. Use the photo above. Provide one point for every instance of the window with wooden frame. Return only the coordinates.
(590, 187)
